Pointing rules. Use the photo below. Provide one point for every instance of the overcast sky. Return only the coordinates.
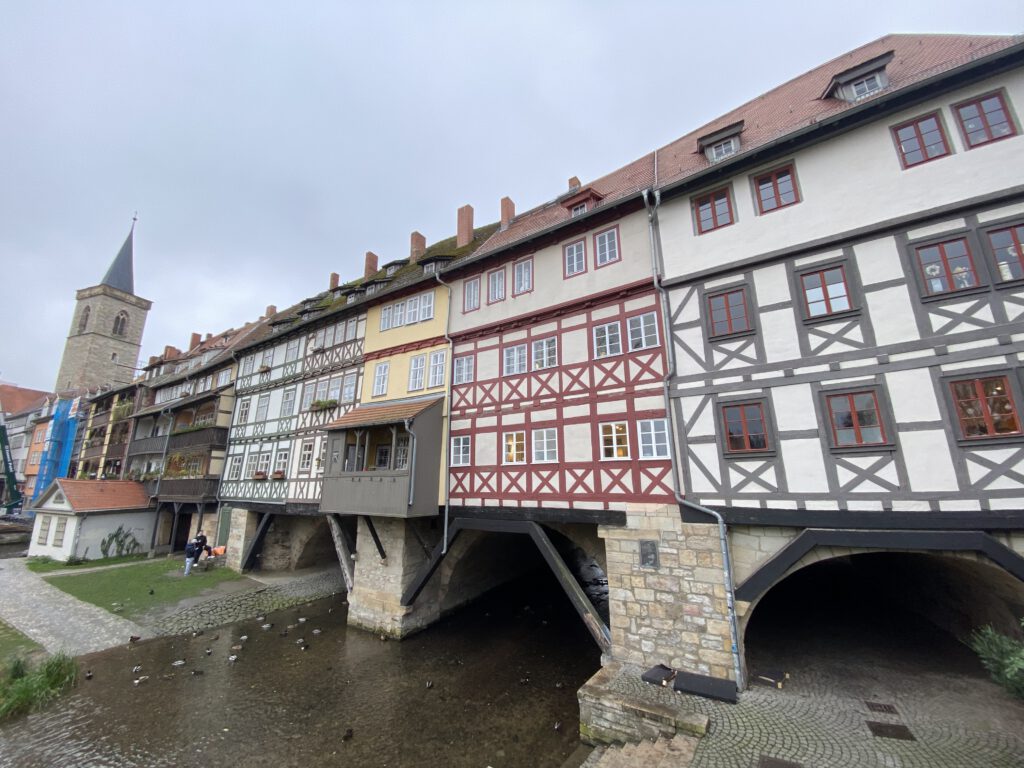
(265, 145)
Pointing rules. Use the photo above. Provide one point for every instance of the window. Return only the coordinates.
(545, 445)
(496, 286)
(947, 266)
(865, 86)
(121, 323)
(461, 447)
(44, 528)
(307, 396)
(652, 434)
(334, 389)
(398, 319)
(321, 389)
(522, 277)
(545, 353)
(984, 120)
(607, 341)
(578, 210)
(985, 407)
(247, 364)
(402, 452)
(380, 379)
(436, 369)
(385, 318)
(262, 406)
(416, 368)
(224, 377)
(322, 458)
(920, 140)
(463, 373)
(383, 457)
(243, 411)
(83, 320)
(744, 428)
(515, 360)
(723, 149)
(515, 448)
(250, 464)
(426, 306)
(263, 462)
(614, 440)
(713, 211)
(319, 339)
(351, 327)
(776, 189)
(728, 313)
(430, 268)
(291, 351)
(643, 331)
(234, 467)
(348, 388)
(606, 246)
(306, 456)
(825, 292)
(268, 358)
(471, 294)
(1009, 254)
(281, 460)
(855, 419)
(575, 258)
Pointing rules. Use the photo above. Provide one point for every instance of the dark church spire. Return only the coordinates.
(121, 273)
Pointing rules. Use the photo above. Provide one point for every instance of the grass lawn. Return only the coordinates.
(46, 565)
(136, 589)
(13, 644)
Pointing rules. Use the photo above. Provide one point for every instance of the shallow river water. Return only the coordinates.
(485, 687)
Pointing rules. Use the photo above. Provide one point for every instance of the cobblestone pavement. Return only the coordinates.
(276, 591)
(55, 619)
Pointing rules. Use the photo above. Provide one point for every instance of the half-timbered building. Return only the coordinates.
(843, 267)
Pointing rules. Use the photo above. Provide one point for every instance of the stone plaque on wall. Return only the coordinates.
(649, 554)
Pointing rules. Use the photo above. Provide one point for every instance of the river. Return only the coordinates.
(492, 685)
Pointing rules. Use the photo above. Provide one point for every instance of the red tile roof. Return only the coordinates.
(780, 111)
(17, 399)
(102, 495)
(384, 413)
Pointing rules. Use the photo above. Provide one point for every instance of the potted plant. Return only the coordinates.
(323, 405)
(264, 369)
(259, 475)
(277, 474)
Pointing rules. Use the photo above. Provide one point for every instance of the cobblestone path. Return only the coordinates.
(277, 592)
(55, 619)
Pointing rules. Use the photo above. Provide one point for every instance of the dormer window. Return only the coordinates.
(581, 201)
(429, 268)
(866, 85)
(861, 81)
(578, 210)
(372, 288)
(723, 143)
(391, 270)
(351, 299)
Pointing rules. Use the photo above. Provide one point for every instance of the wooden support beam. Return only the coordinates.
(427, 570)
(376, 539)
(249, 558)
(344, 551)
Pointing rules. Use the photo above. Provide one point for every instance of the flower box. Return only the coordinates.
(323, 405)
(264, 369)
(259, 475)
(278, 474)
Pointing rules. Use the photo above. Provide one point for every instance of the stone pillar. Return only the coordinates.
(375, 600)
(242, 531)
(667, 597)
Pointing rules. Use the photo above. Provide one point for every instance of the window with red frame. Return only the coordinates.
(776, 190)
(729, 313)
(713, 211)
(1006, 245)
(825, 292)
(985, 407)
(921, 140)
(947, 266)
(745, 427)
(984, 120)
(855, 419)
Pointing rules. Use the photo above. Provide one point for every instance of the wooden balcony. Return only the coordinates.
(147, 445)
(188, 488)
(215, 437)
(380, 493)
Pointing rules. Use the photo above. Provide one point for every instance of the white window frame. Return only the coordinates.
(307, 395)
(268, 358)
(652, 438)
(544, 444)
(643, 325)
(412, 310)
(496, 286)
(306, 456)
(606, 247)
(545, 353)
(334, 389)
(262, 407)
(398, 317)
(235, 467)
(351, 329)
(243, 410)
(607, 349)
(250, 465)
(348, 388)
(426, 306)
(263, 462)
(247, 364)
(610, 426)
(471, 294)
(281, 460)
(385, 318)
(578, 210)
(723, 149)
(522, 276)
(866, 89)
(462, 451)
(578, 252)
(224, 377)
(436, 373)
(288, 402)
(516, 355)
(417, 370)
(380, 379)
(518, 446)
(401, 452)
(463, 369)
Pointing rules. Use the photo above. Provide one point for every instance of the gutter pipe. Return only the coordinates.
(412, 460)
(448, 402)
(656, 270)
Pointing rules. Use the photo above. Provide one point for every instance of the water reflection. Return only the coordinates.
(501, 674)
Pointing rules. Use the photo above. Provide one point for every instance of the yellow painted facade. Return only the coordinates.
(376, 339)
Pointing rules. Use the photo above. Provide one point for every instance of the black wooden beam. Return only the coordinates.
(542, 514)
(776, 567)
(427, 569)
(376, 539)
(993, 520)
(248, 559)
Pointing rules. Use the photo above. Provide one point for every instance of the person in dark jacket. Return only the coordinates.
(201, 545)
(190, 556)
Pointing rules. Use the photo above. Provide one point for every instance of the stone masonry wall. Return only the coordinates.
(243, 528)
(675, 613)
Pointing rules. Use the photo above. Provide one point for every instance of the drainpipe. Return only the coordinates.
(448, 403)
(412, 459)
(723, 539)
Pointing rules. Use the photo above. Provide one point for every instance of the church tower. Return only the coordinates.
(106, 329)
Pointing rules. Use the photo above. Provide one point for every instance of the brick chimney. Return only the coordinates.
(508, 212)
(574, 183)
(370, 268)
(335, 277)
(465, 231)
(171, 353)
(209, 336)
(194, 341)
(417, 246)
(271, 310)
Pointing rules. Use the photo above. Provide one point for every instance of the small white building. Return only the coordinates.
(92, 519)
